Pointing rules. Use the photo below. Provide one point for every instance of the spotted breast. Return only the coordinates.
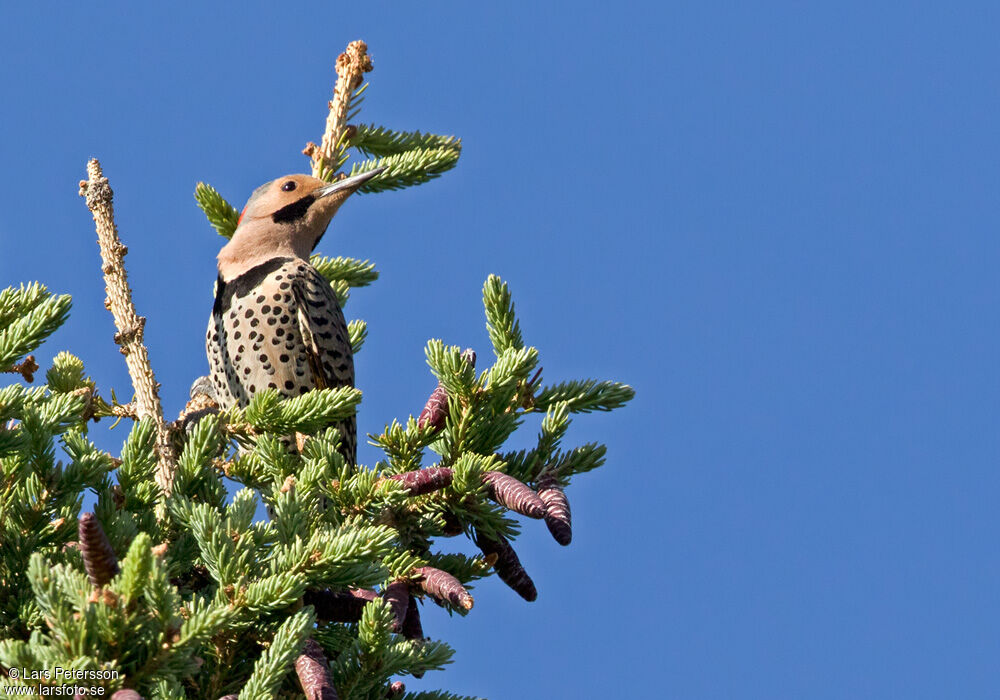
(279, 326)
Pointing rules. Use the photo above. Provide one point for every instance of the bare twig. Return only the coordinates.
(351, 67)
(26, 368)
(130, 325)
(124, 410)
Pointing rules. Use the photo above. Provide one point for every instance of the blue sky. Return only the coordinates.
(776, 220)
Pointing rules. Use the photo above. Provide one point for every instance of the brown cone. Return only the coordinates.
(443, 586)
(557, 515)
(397, 594)
(508, 566)
(435, 411)
(452, 525)
(513, 494)
(98, 557)
(424, 481)
(314, 672)
(339, 606)
(412, 629)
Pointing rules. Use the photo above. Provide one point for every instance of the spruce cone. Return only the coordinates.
(508, 566)
(395, 689)
(424, 481)
(314, 673)
(194, 579)
(127, 694)
(364, 594)
(98, 557)
(452, 525)
(435, 411)
(412, 629)
(513, 494)
(397, 594)
(339, 606)
(557, 515)
(443, 586)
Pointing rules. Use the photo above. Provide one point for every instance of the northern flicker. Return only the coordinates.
(276, 322)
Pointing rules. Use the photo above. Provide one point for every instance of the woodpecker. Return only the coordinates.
(276, 322)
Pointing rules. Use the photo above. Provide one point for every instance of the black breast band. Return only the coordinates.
(242, 285)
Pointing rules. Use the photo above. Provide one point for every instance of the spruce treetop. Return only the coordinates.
(171, 587)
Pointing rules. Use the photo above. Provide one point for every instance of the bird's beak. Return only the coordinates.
(350, 183)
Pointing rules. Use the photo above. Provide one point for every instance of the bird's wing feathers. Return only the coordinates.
(327, 345)
(323, 330)
(314, 355)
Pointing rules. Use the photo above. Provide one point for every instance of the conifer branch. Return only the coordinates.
(413, 167)
(505, 331)
(378, 141)
(435, 411)
(279, 657)
(355, 273)
(27, 316)
(351, 67)
(98, 194)
(357, 333)
(221, 214)
(585, 396)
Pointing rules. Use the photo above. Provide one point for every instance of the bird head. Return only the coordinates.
(285, 218)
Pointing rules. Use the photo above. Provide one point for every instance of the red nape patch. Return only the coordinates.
(240, 220)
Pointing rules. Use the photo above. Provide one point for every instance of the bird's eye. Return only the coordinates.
(288, 186)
